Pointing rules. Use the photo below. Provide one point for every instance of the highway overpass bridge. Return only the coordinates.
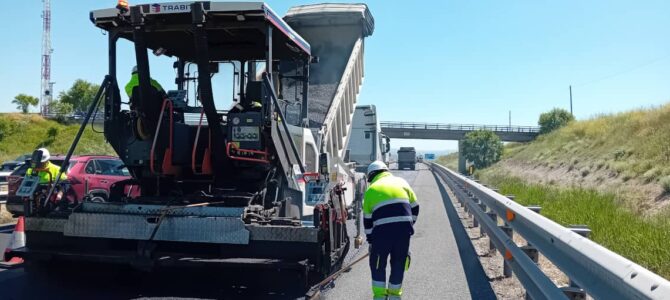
(457, 132)
(435, 131)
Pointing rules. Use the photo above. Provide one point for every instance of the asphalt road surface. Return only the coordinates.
(437, 270)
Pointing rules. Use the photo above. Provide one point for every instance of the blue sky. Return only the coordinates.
(432, 61)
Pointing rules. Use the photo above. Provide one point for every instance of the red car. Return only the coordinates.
(90, 175)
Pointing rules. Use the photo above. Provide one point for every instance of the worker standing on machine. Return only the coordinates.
(390, 211)
(47, 171)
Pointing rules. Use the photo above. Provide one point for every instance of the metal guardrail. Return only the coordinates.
(7, 228)
(460, 127)
(600, 272)
(99, 118)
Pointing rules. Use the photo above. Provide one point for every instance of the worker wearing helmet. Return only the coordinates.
(135, 81)
(46, 171)
(147, 120)
(390, 211)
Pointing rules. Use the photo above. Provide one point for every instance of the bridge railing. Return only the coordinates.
(460, 127)
(590, 267)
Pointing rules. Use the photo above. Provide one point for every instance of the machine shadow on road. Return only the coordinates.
(96, 281)
(478, 282)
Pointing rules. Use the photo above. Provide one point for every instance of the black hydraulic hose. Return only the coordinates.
(66, 161)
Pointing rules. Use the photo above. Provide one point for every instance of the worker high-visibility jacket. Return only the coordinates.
(389, 207)
(135, 81)
(48, 173)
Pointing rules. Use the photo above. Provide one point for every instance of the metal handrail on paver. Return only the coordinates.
(602, 273)
(460, 127)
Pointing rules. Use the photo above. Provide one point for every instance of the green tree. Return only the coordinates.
(554, 119)
(61, 109)
(24, 102)
(482, 147)
(80, 95)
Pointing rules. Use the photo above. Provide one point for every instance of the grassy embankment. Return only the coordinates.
(611, 172)
(450, 160)
(642, 240)
(21, 134)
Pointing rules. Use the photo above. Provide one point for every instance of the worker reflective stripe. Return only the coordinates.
(414, 218)
(395, 286)
(379, 284)
(391, 297)
(414, 204)
(367, 216)
(393, 220)
(368, 231)
(388, 202)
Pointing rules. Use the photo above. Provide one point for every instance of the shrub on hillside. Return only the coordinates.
(4, 129)
(482, 147)
(554, 119)
(665, 183)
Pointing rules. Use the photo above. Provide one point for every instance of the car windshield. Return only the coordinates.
(7, 167)
(23, 158)
(21, 171)
(112, 167)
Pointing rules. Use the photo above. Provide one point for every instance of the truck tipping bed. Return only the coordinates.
(336, 33)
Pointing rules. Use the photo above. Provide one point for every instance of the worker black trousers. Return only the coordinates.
(397, 247)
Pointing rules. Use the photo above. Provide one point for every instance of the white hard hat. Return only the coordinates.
(134, 70)
(45, 154)
(377, 166)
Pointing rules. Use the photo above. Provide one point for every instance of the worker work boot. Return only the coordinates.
(394, 291)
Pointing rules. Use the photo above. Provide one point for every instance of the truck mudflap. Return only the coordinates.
(214, 230)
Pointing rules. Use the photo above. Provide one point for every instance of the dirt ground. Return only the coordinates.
(5, 217)
(644, 198)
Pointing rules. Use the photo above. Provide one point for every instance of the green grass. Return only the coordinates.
(24, 133)
(644, 241)
(449, 160)
(632, 144)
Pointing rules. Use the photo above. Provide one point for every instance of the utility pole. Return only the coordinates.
(510, 118)
(571, 100)
(46, 94)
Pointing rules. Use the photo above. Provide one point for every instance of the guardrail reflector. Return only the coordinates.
(510, 215)
(508, 255)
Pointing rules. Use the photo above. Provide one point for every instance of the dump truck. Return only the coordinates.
(259, 182)
(367, 142)
(406, 158)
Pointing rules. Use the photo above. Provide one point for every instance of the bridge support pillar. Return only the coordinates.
(461, 158)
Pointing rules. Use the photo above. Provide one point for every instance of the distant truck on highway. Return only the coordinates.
(406, 158)
(367, 143)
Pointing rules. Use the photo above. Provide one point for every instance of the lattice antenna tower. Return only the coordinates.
(46, 93)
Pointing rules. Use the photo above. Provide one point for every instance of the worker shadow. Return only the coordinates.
(478, 282)
(97, 281)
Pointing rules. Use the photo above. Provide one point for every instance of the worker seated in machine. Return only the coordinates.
(147, 120)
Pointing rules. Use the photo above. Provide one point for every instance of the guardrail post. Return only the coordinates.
(574, 291)
(529, 249)
(507, 270)
(474, 219)
(493, 217)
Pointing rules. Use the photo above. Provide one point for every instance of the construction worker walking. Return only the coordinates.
(390, 211)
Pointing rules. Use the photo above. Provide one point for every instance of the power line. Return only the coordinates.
(624, 71)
